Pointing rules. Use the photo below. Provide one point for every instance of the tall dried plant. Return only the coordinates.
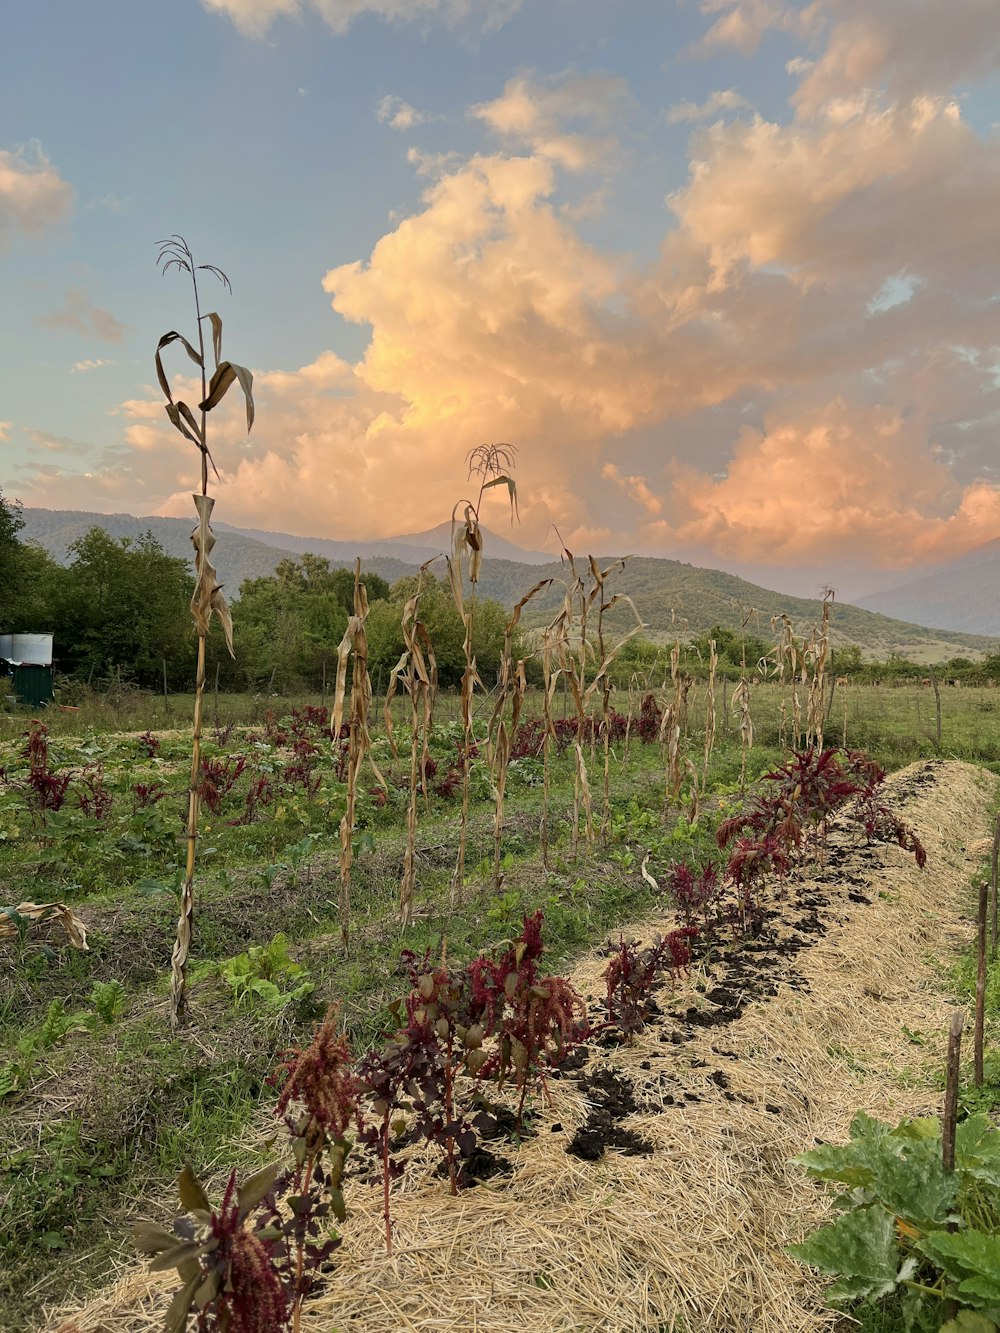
(207, 599)
(416, 672)
(511, 690)
(354, 649)
(713, 665)
(492, 464)
(820, 652)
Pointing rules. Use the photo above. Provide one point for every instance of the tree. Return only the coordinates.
(122, 608)
(444, 625)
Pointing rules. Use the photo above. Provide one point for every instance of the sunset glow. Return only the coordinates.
(726, 274)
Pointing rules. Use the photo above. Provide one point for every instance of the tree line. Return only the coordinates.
(118, 611)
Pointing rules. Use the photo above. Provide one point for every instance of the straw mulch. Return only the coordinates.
(691, 1236)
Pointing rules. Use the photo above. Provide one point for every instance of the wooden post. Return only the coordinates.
(949, 1120)
(980, 982)
(166, 699)
(937, 708)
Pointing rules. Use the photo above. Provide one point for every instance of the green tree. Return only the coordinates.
(122, 608)
(444, 625)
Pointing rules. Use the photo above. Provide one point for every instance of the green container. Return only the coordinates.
(33, 685)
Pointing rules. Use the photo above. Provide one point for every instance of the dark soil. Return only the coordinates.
(748, 970)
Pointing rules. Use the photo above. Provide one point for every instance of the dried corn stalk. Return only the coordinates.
(511, 689)
(820, 655)
(713, 662)
(207, 599)
(493, 464)
(354, 648)
(741, 707)
(416, 671)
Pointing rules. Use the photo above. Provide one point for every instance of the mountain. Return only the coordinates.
(413, 548)
(671, 596)
(962, 595)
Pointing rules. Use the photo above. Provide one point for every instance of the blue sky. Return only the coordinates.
(666, 308)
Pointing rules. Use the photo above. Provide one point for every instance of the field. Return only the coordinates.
(659, 1158)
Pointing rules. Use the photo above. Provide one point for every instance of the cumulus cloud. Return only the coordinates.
(539, 113)
(78, 314)
(742, 23)
(871, 482)
(90, 363)
(805, 374)
(254, 17)
(399, 115)
(33, 196)
(727, 99)
(905, 47)
(869, 188)
(908, 47)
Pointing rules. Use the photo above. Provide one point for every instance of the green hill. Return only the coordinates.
(672, 597)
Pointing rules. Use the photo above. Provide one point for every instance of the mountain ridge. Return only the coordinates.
(669, 594)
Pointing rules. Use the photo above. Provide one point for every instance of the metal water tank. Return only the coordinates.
(6, 647)
(31, 649)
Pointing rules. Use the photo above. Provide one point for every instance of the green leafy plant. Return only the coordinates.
(267, 974)
(910, 1231)
(108, 999)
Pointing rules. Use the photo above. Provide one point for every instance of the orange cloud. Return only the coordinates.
(806, 374)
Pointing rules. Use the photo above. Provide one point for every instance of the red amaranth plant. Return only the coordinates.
(678, 943)
(248, 1265)
(536, 1019)
(148, 744)
(94, 798)
(694, 891)
(218, 777)
(46, 789)
(145, 794)
(629, 979)
(260, 793)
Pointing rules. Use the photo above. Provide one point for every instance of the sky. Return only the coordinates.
(725, 272)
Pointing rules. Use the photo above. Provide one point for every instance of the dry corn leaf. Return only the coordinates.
(207, 597)
(76, 931)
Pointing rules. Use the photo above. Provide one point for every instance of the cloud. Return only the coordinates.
(78, 314)
(908, 47)
(5, 428)
(91, 363)
(399, 115)
(725, 100)
(33, 196)
(904, 47)
(805, 374)
(537, 113)
(871, 480)
(867, 190)
(743, 23)
(57, 444)
(254, 17)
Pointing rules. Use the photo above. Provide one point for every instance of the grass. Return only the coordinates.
(112, 1110)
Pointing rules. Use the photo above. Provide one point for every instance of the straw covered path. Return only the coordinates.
(656, 1193)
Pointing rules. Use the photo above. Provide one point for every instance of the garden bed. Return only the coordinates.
(654, 1193)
